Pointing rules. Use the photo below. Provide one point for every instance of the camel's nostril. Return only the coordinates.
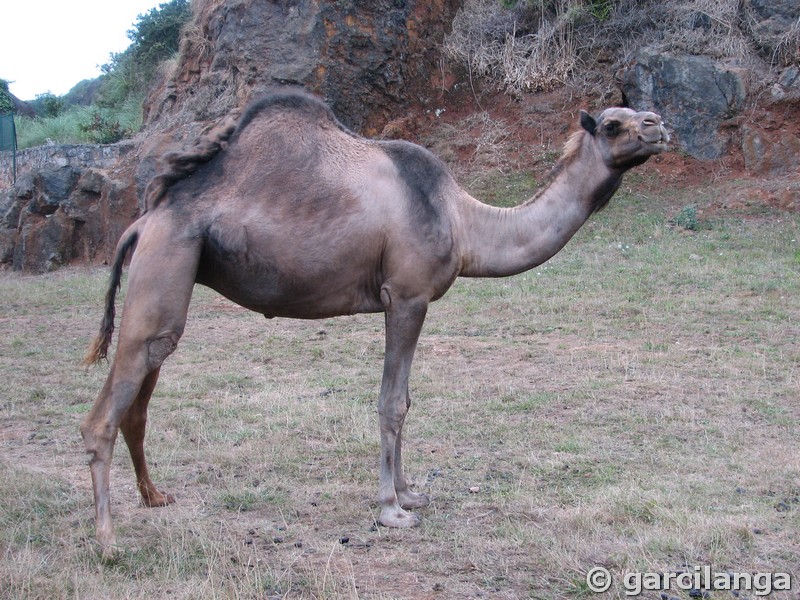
(650, 123)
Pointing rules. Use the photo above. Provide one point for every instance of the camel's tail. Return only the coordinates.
(98, 350)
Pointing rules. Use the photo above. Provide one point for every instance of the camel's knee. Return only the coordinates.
(90, 432)
(393, 415)
(159, 349)
(98, 438)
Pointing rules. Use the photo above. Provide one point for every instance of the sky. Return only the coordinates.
(50, 45)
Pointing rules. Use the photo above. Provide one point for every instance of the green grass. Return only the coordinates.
(66, 128)
(633, 403)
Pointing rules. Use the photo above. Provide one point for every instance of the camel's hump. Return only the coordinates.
(293, 101)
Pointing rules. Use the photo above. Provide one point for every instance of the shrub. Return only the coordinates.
(531, 45)
(50, 105)
(687, 218)
(104, 130)
(6, 103)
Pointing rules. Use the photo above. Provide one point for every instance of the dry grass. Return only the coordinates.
(634, 404)
(499, 44)
(542, 45)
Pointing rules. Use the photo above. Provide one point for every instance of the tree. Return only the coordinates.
(51, 105)
(6, 101)
(155, 37)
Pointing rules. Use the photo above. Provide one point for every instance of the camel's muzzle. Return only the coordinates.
(653, 132)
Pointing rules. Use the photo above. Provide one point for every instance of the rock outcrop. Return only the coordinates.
(705, 99)
(367, 58)
(695, 94)
(55, 215)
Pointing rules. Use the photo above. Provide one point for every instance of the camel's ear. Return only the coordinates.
(588, 122)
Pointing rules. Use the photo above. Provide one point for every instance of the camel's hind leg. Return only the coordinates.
(160, 286)
(133, 428)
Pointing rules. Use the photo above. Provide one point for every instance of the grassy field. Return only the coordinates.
(633, 405)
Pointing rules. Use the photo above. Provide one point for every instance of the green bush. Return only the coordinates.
(50, 104)
(6, 103)
(687, 218)
(155, 37)
(104, 130)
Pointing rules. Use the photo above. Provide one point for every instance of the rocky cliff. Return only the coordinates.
(71, 207)
(369, 59)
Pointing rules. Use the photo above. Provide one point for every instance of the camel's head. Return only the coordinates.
(626, 138)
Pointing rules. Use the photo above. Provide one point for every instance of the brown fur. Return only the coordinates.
(289, 214)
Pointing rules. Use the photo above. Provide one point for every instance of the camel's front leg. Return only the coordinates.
(404, 319)
(405, 496)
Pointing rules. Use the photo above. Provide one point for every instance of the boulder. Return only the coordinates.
(695, 95)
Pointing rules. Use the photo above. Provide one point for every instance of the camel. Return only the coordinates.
(290, 214)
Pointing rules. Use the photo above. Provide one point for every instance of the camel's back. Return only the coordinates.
(291, 155)
(287, 142)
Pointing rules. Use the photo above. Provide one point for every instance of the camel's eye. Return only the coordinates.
(611, 128)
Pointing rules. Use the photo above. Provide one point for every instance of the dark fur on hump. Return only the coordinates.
(289, 100)
(178, 165)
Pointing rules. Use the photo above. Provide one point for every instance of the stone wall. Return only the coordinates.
(69, 204)
(60, 155)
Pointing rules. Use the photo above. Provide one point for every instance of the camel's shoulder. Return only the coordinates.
(423, 173)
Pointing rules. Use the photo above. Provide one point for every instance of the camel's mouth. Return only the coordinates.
(656, 142)
(654, 135)
(658, 145)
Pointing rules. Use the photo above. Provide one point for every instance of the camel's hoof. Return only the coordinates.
(107, 548)
(409, 499)
(397, 517)
(110, 554)
(156, 499)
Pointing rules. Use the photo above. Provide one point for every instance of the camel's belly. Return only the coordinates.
(324, 291)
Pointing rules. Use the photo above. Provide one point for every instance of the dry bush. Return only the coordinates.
(542, 44)
(195, 42)
(526, 48)
(782, 50)
(710, 27)
(787, 50)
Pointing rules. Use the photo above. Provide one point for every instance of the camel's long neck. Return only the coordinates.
(500, 242)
